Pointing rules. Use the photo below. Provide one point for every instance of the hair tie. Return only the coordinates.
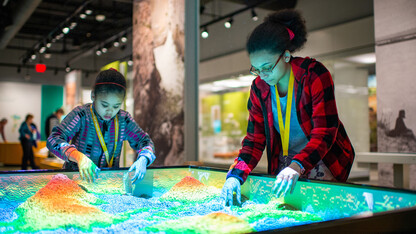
(113, 83)
(291, 34)
(113, 69)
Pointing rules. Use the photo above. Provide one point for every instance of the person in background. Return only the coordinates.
(26, 140)
(36, 135)
(97, 131)
(3, 123)
(292, 112)
(52, 121)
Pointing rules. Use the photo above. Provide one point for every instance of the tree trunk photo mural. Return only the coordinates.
(158, 56)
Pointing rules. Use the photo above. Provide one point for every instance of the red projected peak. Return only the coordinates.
(40, 67)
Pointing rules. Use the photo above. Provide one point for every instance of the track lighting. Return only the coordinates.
(100, 17)
(73, 25)
(67, 68)
(48, 54)
(42, 49)
(254, 16)
(228, 23)
(65, 30)
(124, 38)
(205, 33)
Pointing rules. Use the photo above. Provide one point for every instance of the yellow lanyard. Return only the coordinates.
(285, 129)
(101, 138)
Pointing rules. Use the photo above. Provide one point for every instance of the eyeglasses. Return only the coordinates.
(256, 72)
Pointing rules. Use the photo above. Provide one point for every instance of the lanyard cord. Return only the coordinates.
(101, 138)
(285, 129)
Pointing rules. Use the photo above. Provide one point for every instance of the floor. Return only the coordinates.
(11, 168)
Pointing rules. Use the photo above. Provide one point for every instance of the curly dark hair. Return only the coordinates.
(272, 35)
(110, 81)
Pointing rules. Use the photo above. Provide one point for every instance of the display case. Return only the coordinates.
(188, 199)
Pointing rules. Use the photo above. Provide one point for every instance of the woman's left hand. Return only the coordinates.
(140, 169)
(286, 180)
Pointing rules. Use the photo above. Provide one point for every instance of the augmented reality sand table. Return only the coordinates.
(180, 199)
(189, 205)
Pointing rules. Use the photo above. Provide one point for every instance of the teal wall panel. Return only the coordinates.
(52, 99)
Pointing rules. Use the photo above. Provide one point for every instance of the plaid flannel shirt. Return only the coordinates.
(317, 115)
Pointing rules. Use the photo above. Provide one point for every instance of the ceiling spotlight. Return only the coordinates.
(33, 56)
(228, 23)
(124, 38)
(88, 11)
(130, 62)
(98, 52)
(205, 33)
(67, 68)
(42, 49)
(73, 25)
(65, 30)
(116, 43)
(254, 16)
(48, 54)
(104, 50)
(48, 44)
(82, 16)
(58, 37)
(100, 17)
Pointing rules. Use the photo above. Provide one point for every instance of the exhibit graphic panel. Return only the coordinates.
(395, 54)
(16, 101)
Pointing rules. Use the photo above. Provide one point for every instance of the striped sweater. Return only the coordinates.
(78, 128)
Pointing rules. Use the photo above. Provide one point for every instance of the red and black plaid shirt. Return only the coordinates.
(317, 115)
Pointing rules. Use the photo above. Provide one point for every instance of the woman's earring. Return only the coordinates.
(287, 56)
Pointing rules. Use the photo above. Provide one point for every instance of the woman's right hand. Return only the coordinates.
(27, 136)
(87, 169)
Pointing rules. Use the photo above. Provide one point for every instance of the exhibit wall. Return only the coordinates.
(158, 73)
(395, 30)
(16, 101)
(351, 95)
